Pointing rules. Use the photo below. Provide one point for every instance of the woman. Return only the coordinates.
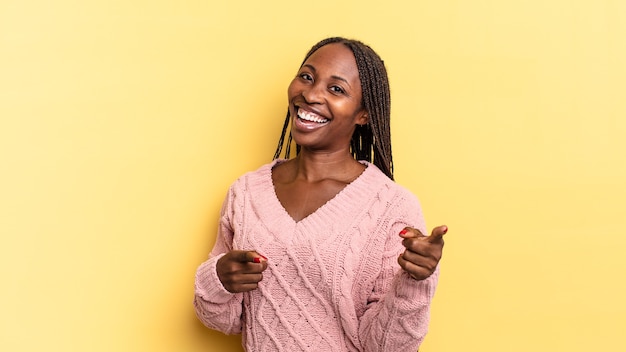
(324, 252)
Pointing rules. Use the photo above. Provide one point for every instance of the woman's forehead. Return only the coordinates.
(335, 57)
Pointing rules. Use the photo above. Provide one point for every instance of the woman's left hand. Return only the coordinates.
(422, 253)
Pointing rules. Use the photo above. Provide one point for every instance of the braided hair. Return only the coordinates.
(370, 142)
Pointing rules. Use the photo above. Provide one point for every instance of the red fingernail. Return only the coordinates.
(403, 231)
(445, 230)
(256, 260)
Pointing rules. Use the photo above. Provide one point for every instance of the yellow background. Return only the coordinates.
(122, 123)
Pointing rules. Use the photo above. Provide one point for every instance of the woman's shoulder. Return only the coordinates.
(376, 177)
(253, 176)
(282, 170)
(262, 171)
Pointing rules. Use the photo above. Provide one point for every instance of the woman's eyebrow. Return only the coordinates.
(311, 67)
(342, 79)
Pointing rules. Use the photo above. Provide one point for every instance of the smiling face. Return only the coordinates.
(325, 100)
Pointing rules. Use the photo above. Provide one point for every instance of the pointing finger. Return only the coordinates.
(437, 235)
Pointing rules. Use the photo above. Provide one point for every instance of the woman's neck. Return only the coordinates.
(340, 166)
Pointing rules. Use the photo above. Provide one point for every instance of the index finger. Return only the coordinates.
(437, 234)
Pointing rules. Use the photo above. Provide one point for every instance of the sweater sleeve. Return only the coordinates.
(216, 307)
(398, 310)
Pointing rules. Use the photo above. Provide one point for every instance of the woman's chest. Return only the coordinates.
(307, 263)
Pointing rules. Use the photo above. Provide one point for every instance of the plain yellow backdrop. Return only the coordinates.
(122, 123)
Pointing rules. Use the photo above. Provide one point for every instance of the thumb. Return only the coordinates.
(248, 257)
(256, 257)
(409, 232)
(437, 235)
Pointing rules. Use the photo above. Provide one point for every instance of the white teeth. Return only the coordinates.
(309, 116)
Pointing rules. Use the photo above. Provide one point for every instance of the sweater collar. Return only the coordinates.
(344, 205)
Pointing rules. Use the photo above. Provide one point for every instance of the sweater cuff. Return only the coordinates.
(208, 285)
(416, 291)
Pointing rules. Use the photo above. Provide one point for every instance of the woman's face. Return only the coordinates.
(325, 100)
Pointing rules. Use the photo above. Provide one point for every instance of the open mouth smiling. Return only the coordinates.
(311, 117)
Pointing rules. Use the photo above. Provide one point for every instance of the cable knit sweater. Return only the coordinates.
(332, 282)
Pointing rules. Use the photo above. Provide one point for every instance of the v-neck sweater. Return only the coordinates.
(332, 282)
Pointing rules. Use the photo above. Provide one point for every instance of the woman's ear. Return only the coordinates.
(362, 119)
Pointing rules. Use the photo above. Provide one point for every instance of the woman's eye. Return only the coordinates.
(306, 77)
(337, 89)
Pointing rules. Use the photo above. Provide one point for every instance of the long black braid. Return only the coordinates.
(374, 137)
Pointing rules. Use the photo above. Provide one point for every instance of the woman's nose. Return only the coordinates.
(313, 94)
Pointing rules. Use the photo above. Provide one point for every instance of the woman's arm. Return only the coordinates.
(216, 307)
(398, 309)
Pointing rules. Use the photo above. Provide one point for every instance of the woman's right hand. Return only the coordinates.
(241, 271)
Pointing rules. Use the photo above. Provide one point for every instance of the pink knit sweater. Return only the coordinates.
(332, 283)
